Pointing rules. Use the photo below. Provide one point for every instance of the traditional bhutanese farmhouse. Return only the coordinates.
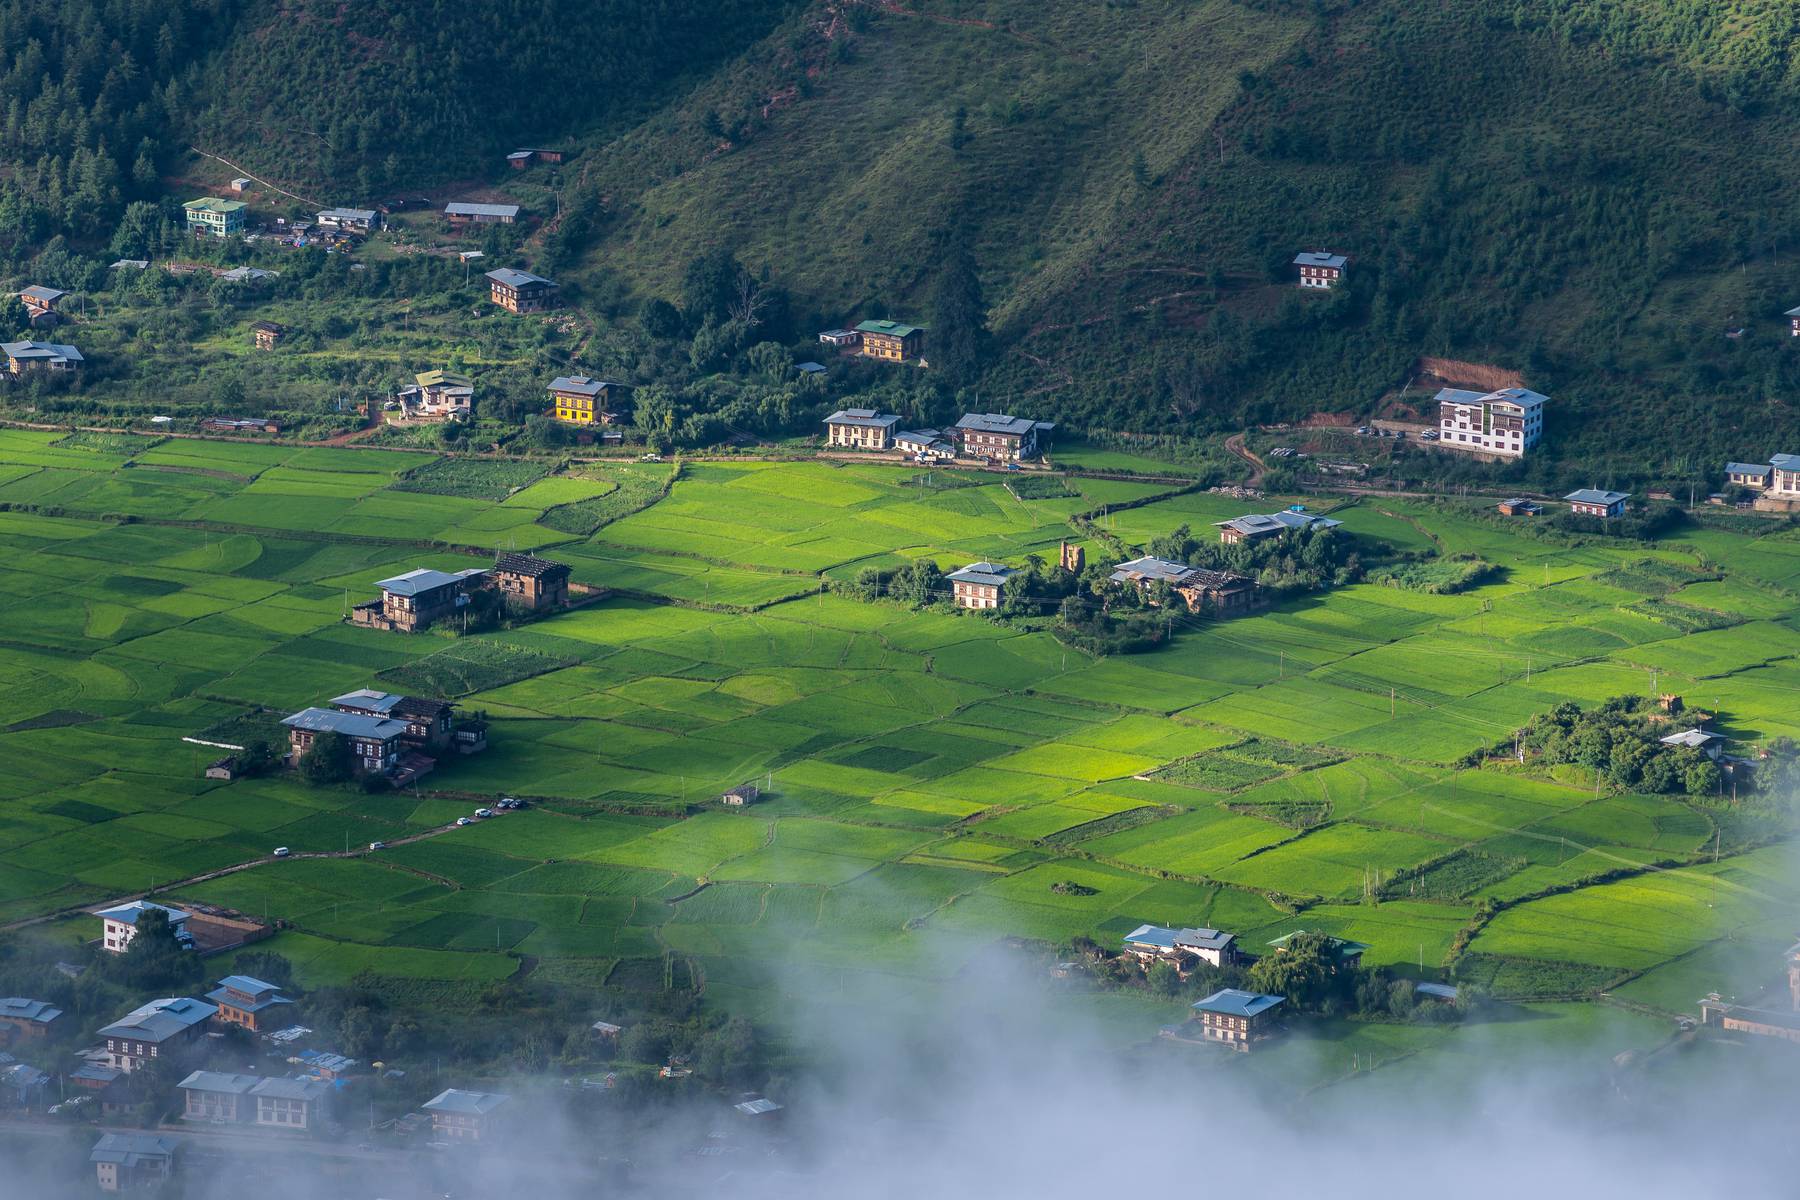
(118, 924)
(248, 1002)
(40, 356)
(130, 1162)
(1793, 316)
(890, 341)
(21, 1018)
(980, 585)
(412, 601)
(349, 220)
(161, 1029)
(375, 742)
(861, 429)
(1236, 1018)
(268, 1102)
(1505, 423)
(926, 445)
(267, 334)
(1225, 593)
(1319, 268)
(435, 396)
(999, 436)
(581, 400)
(462, 1116)
(1211, 946)
(212, 217)
(1596, 502)
(462, 213)
(520, 291)
(429, 723)
(1259, 525)
(529, 582)
(40, 303)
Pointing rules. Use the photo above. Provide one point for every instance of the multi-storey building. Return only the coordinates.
(999, 436)
(1236, 1018)
(166, 1028)
(215, 217)
(890, 340)
(520, 291)
(1320, 269)
(861, 429)
(462, 1116)
(581, 400)
(118, 925)
(1505, 423)
(980, 585)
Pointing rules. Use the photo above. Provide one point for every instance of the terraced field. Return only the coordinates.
(932, 776)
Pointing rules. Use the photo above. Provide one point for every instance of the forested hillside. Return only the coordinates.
(1589, 192)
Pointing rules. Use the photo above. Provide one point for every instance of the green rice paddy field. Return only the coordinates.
(933, 776)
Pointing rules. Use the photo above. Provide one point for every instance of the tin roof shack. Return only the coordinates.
(861, 429)
(248, 1002)
(980, 585)
(463, 213)
(40, 356)
(118, 924)
(374, 742)
(520, 291)
(131, 1162)
(23, 1019)
(741, 796)
(1231, 1017)
(531, 583)
(1183, 947)
(265, 334)
(412, 601)
(890, 341)
(1203, 590)
(1003, 437)
(1257, 525)
(432, 397)
(459, 1116)
(582, 400)
(168, 1028)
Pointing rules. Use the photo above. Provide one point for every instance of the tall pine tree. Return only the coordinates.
(957, 340)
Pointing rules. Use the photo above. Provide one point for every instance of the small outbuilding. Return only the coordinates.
(741, 796)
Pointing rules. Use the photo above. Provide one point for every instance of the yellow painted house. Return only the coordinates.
(580, 400)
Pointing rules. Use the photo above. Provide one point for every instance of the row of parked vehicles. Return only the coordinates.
(504, 804)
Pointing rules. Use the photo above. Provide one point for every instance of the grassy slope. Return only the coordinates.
(1569, 195)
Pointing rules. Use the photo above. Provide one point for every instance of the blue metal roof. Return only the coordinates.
(991, 574)
(1151, 935)
(326, 720)
(1596, 496)
(1233, 1002)
(515, 278)
(424, 579)
(18, 1008)
(1319, 258)
(129, 913)
(1002, 423)
(1786, 462)
(1735, 468)
(132, 1149)
(454, 1100)
(864, 418)
(160, 1020)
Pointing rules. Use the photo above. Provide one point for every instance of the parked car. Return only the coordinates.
(464, 821)
(484, 812)
(378, 845)
(1430, 435)
(282, 852)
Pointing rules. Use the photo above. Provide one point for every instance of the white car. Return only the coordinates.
(378, 845)
(282, 852)
(484, 812)
(464, 821)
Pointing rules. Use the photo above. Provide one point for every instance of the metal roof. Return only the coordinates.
(132, 1149)
(513, 277)
(249, 985)
(38, 291)
(454, 1100)
(1151, 935)
(248, 274)
(129, 913)
(1523, 398)
(460, 209)
(1596, 496)
(215, 204)
(579, 385)
(363, 698)
(282, 1088)
(1234, 1002)
(865, 418)
(890, 328)
(162, 1019)
(18, 1008)
(441, 379)
(1695, 738)
(810, 368)
(1151, 568)
(760, 1106)
(1733, 468)
(1441, 991)
(1319, 258)
(1345, 947)
(47, 350)
(365, 216)
(424, 579)
(218, 1081)
(1786, 462)
(328, 720)
(991, 574)
(1261, 523)
(1792, 312)
(1001, 423)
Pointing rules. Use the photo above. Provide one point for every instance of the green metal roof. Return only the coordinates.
(214, 204)
(891, 328)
